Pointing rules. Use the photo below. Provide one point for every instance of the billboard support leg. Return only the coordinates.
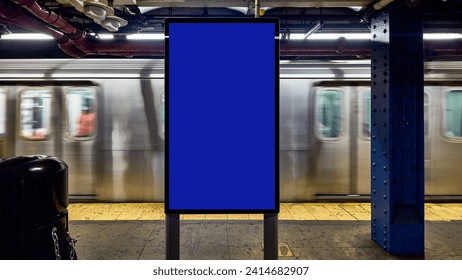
(270, 236)
(172, 237)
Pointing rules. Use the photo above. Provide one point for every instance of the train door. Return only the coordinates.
(364, 145)
(428, 125)
(446, 149)
(3, 98)
(342, 138)
(330, 163)
(363, 170)
(52, 119)
(79, 133)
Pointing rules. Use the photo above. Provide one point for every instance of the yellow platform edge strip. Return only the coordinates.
(288, 211)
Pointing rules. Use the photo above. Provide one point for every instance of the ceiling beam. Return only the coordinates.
(244, 3)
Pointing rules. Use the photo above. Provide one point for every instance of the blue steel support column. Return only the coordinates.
(397, 142)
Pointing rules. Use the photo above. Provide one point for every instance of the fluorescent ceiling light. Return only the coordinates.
(442, 36)
(148, 9)
(26, 36)
(22, 75)
(356, 8)
(331, 36)
(293, 36)
(155, 36)
(106, 36)
(95, 75)
(36, 36)
(367, 36)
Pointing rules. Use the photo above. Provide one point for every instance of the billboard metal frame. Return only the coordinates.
(274, 21)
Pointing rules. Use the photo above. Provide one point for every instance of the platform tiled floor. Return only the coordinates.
(131, 231)
(288, 211)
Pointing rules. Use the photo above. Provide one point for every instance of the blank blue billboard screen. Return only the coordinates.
(221, 116)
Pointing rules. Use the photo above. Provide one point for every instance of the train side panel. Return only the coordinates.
(295, 141)
(119, 156)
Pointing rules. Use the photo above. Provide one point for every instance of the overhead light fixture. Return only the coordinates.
(96, 10)
(330, 36)
(26, 36)
(442, 36)
(367, 36)
(152, 36)
(106, 36)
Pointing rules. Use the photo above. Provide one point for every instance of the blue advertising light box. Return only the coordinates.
(222, 115)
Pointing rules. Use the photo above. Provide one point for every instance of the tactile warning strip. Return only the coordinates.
(288, 211)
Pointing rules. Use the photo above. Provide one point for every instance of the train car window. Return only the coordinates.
(81, 113)
(329, 113)
(162, 115)
(366, 119)
(35, 110)
(454, 113)
(426, 114)
(2, 113)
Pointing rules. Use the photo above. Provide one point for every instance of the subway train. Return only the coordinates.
(105, 119)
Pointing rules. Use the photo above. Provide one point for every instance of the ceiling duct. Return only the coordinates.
(101, 11)
(103, 14)
(96, 10)
(113, 23)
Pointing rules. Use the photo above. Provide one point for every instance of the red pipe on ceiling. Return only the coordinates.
(14, 14)
(443, 48)
(87, 43)
(49, 17)
(78, 37)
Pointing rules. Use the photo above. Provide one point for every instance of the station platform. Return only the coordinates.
(307, 231)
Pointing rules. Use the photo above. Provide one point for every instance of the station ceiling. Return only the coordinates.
(147, 16)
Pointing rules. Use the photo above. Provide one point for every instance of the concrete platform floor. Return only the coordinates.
(307, 231)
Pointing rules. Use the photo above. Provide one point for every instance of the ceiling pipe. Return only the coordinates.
(86, 42)
(78, 37)
(136, 10)
(339, 47)
(14, 14)
(381, 4)
(370, 10)
(51, 18)
(128, 48)
(443, 48)
(69, 48)
(257, 8)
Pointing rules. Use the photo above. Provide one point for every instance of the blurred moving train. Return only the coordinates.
(105, 118)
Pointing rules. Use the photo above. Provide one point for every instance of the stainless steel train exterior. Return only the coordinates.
(105, 118)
